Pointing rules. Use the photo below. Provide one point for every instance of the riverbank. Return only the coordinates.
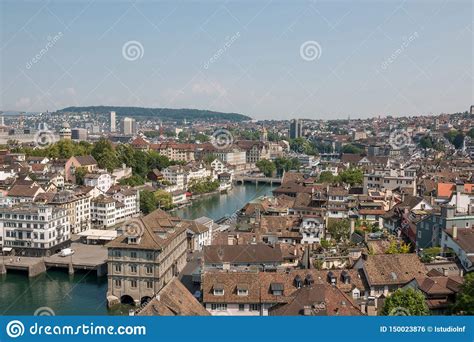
(83, 293)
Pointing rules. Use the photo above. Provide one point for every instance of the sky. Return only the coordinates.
(263, 58)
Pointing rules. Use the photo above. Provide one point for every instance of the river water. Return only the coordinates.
(84, 293)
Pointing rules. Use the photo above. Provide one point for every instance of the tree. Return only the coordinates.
(326, 177)
(470, 134)
(198, 186)
(163, 199)
(79, 174)
(133, 180)
(147, 201)
(351, 149)
(267, 167)
(405, 302)
(397, 247)
(286, 164)
(105, 155)
(464, 304)
(339, 229)
(351, 176)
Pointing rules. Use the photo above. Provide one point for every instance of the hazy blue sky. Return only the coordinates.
(372, 57)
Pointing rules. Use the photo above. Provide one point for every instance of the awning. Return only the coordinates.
(6, 249)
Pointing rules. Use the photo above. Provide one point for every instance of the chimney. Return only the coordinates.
(459, 190)
(352, 226)
(455, 233)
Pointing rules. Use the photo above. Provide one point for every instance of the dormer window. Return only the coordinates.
(218, 290)
(276, 289)
(133, 240)
(242, 290)
(298, 282)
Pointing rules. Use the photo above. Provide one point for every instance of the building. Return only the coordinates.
(145, 258)
(384, 180)
(65, 132)
(102, 181)
(129, 126)
(104, 211)
(461, 241)
(31, 229)
(77, 205)
(112, 122)
(79, 134)
(296, 128)
(175, 151)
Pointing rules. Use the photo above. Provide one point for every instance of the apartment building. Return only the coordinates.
(101, 180)
(146, 257)
(32, 229)
(175, 151)
(77, 205)
(389, 179)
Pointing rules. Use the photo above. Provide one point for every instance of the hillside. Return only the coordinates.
(165, 114)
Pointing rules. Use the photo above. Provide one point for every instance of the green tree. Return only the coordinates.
(404, 302)
(105, 155)
(351, 176)
(267, 167)
(398, 247)
(326, 177)
(464, 304)
(133, 180)
(157, 161)
(79, 174)
(471, 133)
(147, 201)
(163, 199)
(339, 229)
(351, 149)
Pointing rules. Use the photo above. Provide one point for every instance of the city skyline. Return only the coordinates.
(313, 60)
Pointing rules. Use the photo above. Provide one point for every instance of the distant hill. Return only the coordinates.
(165, 114)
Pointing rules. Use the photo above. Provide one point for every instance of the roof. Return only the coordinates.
(156, 230)
(317, 300)
(393, 269)
(24, 191)
(86, 160)
(465, 238)
(174, 300)
(253, 253)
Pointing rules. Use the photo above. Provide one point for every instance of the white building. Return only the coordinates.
(312, 230)
(102, 181)
(32, 229)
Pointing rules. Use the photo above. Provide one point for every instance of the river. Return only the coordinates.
(84, 293)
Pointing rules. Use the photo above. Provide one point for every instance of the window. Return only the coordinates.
(242, 292)
(219, 307)
(118, 283)
(218, 292)
(254, 307)
(133, 268)
(117, 254)
(118, 268)
(133, 283)
(133, 255)
(149, 269)
(149, 285)
(241, 307)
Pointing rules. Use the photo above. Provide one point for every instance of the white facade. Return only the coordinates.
(102, 181)
(33, 229)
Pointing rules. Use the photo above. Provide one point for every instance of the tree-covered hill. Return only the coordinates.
(165, 114)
